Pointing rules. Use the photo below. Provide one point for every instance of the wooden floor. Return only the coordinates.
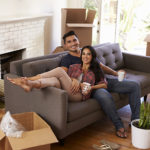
(93, 134)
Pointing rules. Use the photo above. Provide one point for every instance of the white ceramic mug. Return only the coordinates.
(86, 86)
(121, 75)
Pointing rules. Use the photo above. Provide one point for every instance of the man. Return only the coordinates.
(104, 98)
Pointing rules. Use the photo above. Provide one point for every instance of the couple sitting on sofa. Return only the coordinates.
(88, 70)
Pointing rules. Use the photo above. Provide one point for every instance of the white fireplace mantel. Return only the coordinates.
(17, 32)
(9, 19)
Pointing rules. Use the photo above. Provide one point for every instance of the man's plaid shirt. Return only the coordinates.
(75, 71)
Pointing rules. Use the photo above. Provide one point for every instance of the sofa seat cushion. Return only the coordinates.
(78, 110)
(141, 77)
(39, 66)
(110, 55)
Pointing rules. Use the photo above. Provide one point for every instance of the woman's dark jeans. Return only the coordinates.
(106, 101)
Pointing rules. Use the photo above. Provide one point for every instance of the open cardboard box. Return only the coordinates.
(80, 22)
(38, 134)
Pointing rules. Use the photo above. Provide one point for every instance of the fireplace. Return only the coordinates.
(7, 58)
(20, 38)
(23, 32)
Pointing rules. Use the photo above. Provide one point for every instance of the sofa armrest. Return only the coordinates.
(50, 103)
(136, 62)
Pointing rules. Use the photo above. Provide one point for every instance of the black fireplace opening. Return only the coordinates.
(6, 59)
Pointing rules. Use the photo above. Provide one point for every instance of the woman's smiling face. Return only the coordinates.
(86, 56)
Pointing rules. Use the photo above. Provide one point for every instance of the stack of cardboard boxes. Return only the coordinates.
(79, 21)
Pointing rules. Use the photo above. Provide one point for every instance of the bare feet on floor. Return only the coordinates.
(122, 133)
(22, 82)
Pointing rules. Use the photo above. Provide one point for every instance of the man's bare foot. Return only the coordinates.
(22, 82)
(122, 133)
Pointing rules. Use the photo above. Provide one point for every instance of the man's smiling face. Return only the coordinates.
(72, 43)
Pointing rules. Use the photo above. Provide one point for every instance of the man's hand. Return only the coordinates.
(75, 86)
(121, 70)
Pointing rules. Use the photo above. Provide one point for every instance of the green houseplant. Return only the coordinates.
(144, 121)
(140, 129)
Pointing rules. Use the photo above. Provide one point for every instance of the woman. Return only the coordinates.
(88, 71)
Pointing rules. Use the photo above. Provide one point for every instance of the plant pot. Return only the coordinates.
(140, 137)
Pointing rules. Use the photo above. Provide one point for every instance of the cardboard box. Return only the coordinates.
(77, 20)
(148, 49)
(38, 134)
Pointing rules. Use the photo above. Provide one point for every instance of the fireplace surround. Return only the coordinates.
(21, 37)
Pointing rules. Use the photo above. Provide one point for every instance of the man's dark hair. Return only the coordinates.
(70, 33)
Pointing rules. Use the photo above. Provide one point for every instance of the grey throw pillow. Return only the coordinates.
(39, 66)
(110, 55)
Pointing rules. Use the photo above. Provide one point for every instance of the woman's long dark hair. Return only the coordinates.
(94, 66)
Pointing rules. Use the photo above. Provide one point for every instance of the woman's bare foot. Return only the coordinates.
(22, 82)
(16, 81)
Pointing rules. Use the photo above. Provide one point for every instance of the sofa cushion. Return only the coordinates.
(39, 66)
(141, 77)
(78, 110)
(110, 55)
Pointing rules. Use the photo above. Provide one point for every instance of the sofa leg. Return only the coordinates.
(145, 98)
(62, 142)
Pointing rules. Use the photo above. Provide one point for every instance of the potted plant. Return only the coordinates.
(140, 128)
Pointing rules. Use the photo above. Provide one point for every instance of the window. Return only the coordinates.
(123, 21)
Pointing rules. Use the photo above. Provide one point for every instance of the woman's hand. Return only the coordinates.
(87, 92)
(86, 89)
(75, 86)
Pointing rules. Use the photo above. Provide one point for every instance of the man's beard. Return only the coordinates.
(75, 51)
(75, 48)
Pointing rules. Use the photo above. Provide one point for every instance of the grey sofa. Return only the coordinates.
(52, 104)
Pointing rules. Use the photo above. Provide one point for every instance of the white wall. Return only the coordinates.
(75, 3)
(30, 7)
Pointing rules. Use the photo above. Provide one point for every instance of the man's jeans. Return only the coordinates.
(106, 101)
